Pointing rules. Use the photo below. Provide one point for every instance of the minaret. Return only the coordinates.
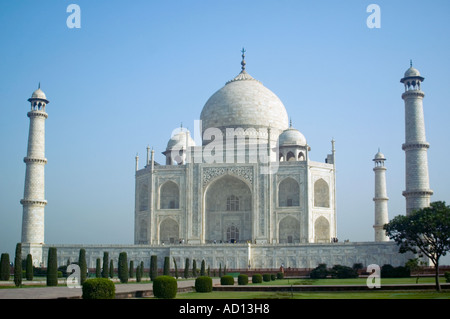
(418, 190)
(380, 199)
(33, 201)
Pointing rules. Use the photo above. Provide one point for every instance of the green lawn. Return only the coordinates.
(351, 281)
(317, 295)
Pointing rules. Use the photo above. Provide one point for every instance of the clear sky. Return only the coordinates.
(136, 69)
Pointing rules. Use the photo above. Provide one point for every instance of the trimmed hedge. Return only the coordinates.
(227, 280)
(242, 279)
(266, 277)
(165, 287)
(280, 275)
(257, 278)
(203, 284)
(99, 288)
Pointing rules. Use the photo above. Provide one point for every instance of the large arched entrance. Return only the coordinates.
(169, 231)
(228, 206)
(289, 230)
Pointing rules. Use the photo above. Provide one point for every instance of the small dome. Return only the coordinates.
(38, 94)
(290, 137)
(411, 72)
(179, 140)
(379, 156)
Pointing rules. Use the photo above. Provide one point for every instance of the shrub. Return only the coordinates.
(257, 279)
(98, 288)
(280, 275)
(339, 271)
(319, 272)
(273, 277)
(242, 279)
(203, 284)
(447, 276)
(388, 271)
(165, 287)
(266, 277)
(52, 267)
(227, 280)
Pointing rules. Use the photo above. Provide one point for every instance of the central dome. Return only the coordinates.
(245, 102)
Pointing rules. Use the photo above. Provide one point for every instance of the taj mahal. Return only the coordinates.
(247, 195)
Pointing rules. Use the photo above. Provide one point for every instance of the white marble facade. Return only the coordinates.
(253, 182)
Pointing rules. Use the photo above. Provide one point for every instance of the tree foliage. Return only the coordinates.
(52, 267)
(105, 270)
(425, 231)
(18, 265)
(123, 267)
(83, 265)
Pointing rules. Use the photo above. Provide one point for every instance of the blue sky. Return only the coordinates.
(136, 69)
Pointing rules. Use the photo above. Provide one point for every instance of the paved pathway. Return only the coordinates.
(65, 292)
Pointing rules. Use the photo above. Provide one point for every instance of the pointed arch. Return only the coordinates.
(169, 231)
(289, 230)
(288, 193)
(321, 230)
(169, 196)
(321, 193)
(290, 157)
(228, 202)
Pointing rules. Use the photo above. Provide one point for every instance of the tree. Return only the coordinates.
(176, 268)
(52, 267)
(203, 268)
(142, 269)
(5, 267)
(131, 269)
(18, 265)
(29, 268)
(425, 231)
(153, 267)
(138, 273)
(415, 265)
(123, 267)
(83, 266)
(111, 269)
(166, 266)
(105, 270)
(98, 268)
(194, 268)
(186, 268)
